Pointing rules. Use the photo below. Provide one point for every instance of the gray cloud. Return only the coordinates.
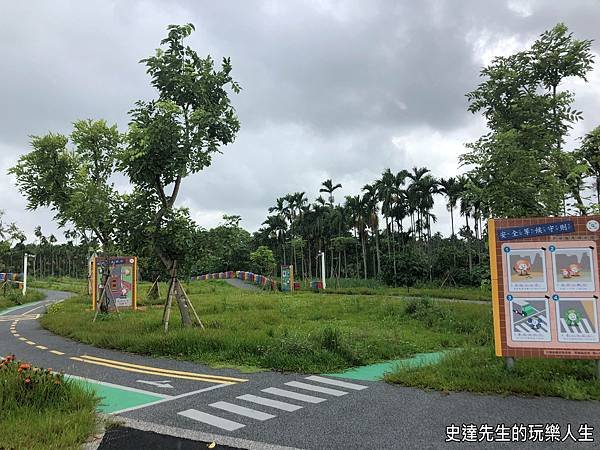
(332, 89)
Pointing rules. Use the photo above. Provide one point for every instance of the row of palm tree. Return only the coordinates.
(393, 211)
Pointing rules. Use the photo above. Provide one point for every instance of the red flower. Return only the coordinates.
(27, 380)
(24, 366)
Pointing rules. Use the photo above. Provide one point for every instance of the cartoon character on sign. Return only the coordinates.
(522, 267)
(534, 323)
(566, 273)
(572, 317)
(575, 269)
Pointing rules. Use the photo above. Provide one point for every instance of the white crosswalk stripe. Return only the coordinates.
(311, 387)
(269, 402)
(334, 382)
(587, 326)
(23, 317)
(242, 410)
(294, 395)
(239, 410)
(209, 419)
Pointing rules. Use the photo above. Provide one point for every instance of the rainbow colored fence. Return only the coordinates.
(260, 280)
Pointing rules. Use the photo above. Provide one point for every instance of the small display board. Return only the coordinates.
(287, 278)
(545, 286)
(122, 280)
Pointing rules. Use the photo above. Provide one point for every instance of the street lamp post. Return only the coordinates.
(322, 255)
(25, 260)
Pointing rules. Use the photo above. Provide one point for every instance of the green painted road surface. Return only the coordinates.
(375, 372)
(114, 398)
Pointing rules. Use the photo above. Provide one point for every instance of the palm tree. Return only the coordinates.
(371, 200)
(329, 187)
(451, 189)
(358, 213)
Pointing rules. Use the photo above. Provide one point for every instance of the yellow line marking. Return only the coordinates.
(22, 339)
(30, 342)
(56, 352)
(152, 372)
(166, 371)
(41, 347)
(17, 335)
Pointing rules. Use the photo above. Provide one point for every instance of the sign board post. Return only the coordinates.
(287, 278)
(122, 280)
(545, 287)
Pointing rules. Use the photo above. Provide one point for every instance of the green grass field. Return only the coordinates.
(42, 410)
(14, 297)
(304, 332)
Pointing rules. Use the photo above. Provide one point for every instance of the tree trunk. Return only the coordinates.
(377, 250)
(364, 254)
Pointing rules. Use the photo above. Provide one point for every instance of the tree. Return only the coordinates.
(177, 134)
(519, 160)
(451, 188)
(590, 153)
(329, 188)
(263, 261)
(74, 183)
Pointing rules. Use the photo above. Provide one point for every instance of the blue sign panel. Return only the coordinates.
(543, 229)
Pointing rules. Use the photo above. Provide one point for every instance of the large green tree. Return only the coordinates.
(75, 182)
(528, 116)
(176, 134)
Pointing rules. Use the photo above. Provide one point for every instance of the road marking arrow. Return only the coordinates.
(162, 384)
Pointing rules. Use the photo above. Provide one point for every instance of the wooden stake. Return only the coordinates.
(167, 311)
(190, 304)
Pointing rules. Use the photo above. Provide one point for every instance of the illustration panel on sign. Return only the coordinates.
(573, 269)
(529, 319)
(577, 320)
(526, 270)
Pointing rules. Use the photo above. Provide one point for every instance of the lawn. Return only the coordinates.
(305, 332)
(42, 410)
(75, 285)
(14, 297)
(479, 370)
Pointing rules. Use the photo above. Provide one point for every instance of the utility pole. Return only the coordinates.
(25, 260)
(322, 255)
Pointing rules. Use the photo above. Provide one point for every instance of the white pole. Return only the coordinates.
(25, 274)
(323, 269)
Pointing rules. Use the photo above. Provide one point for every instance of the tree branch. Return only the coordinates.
(161, 192)
(173, 196)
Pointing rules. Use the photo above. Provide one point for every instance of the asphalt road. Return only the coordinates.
(275, 410)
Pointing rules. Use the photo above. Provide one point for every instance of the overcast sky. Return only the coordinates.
(331, 89)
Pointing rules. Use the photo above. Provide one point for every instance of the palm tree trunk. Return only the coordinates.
(377, 250)
(364, 254)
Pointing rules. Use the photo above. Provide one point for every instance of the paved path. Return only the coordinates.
(242, 284)
(271, 410)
